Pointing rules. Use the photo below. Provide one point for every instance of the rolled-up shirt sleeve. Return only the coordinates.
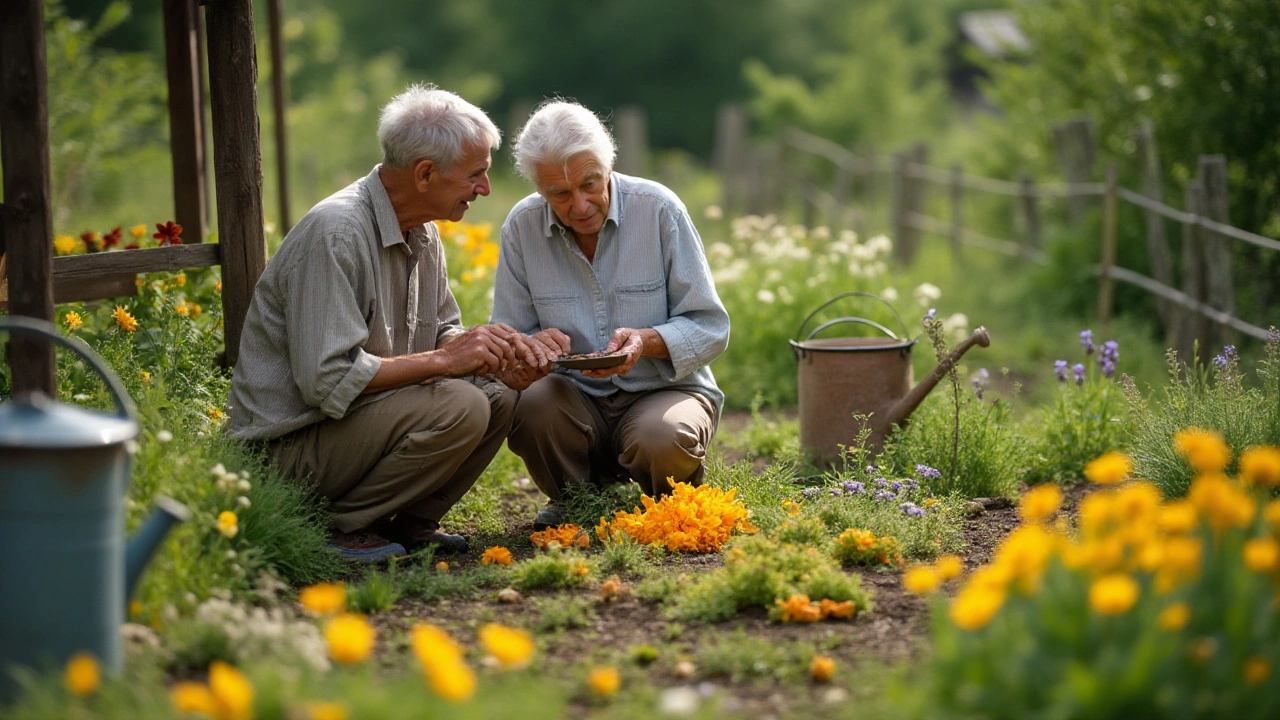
(327, 328)
(698, 330)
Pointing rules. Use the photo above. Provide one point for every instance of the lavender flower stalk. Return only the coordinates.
(1060, 370)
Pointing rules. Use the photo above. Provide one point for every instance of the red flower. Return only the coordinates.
(111, 239)
(92, 241)
(169, 233)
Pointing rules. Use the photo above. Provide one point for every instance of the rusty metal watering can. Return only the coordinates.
(846, 376)
(65, 570)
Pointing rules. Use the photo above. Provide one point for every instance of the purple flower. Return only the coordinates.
(835, 492)
(912, 485)
(1086, 341)
(810, 492)
(882, 482)
(1078, 369)
(925, 471)
(872, 469)
(1224, 359)
(884, 495)
(980, 382)
(911, 509)
(1060, 370)
(933, 312)
(1273, 335)
(853, 487)
(896, 486)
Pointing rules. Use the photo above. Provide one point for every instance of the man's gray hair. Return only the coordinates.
(427, 122)
(558, 130)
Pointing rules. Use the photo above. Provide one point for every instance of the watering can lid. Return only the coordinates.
(33, 420)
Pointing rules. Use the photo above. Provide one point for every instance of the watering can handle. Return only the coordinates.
(32, 326)
(905, 331)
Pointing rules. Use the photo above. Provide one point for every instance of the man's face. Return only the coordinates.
(459, 187)
(578, 192)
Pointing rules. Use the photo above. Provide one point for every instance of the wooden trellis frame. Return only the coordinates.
(37, 280)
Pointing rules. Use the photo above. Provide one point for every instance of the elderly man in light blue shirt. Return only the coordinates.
(602, 261)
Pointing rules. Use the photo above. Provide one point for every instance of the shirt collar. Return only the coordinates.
(384, 213)
(550, 221)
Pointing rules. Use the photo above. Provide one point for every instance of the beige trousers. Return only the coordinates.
(417, 451)
(564, 436)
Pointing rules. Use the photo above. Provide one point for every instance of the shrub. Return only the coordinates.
(922, 524)
(562, 612)
(568, 568)
(378, 591)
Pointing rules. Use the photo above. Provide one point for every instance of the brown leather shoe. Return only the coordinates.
(416, 533)
(362, 546)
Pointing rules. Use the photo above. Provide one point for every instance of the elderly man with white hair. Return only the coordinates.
(615, 263)
(353, 352)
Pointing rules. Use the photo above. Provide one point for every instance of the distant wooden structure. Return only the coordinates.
(36, 279)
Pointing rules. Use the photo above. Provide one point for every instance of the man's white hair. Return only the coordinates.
(557, 131)
(427, 122)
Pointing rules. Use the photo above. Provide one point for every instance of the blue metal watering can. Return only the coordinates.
(64, 566)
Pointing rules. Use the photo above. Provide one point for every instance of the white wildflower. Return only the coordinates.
(242, 501)
(713, 212)
(889, 294)
(164, 436)
(927, 293)
(765, 296)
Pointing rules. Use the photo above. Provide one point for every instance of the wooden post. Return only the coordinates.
(731, 156)
(632, 131)
(1030, 214)
(186, 118)
(913, 201)
(279, 93)
(1108, 249)
(1219, 286)
(233, 71)
(1195, 326)
(26, 218)
(957, 218)
(1157, 245)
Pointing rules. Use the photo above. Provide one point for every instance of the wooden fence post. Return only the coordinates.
(26, 218)
(1157, 245)
(957, 213)
(279, 85)
(1108, 249)
(1195, 326)
(1030, 215)
(632, 130)
(233, 71)
(1217, 249)
(186, 118)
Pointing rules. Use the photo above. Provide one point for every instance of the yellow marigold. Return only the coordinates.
(1113, 594)
(350, 638)
(64, 245)
(839, 610)
(564, 537)
(82, 675)
(1221, 501)
(1272, 514)
(511, 646)
(975, 605)
(324, 598)
(1262, 554)
(1174, 617)
(611, 588)
(146, 377)
(1179, 562)
(798, 608)
(496, 555)
(695, 519)
(180, 279)
(232, 692)
(214, 413)
(1039, 503)
(791, 508)
(822, 668)
(320, 710)
(1205, 450)
(1026, 553)
(218, 287)
(1109, 469)
(124, 320)
(195, 310)
(454, 681)
(948, 567)
(73, 320)
(921, 580)
(1098, 513)
(1137, 503)
(192, 697)
(228, 524)
(430, 643)
(442, 566)
(1177, 517)
(182, 308)
(604, 681)
(1256, 670)
(138, 231)
(1260, 465)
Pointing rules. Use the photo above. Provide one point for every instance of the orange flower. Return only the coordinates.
(822, 668)
(839, 610)
(694, 519)
(798, 608)
(170, 233)
(611, 588)
(124, 320)
(496, 555)
(1260, 465)
(564, 537)
(1108, 469)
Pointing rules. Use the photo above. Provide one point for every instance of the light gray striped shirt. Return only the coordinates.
(649, 272)
(344, 290)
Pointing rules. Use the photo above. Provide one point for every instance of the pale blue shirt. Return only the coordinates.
(649, 272)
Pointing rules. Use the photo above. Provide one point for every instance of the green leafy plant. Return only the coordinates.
(562, 612)
(561, 569)
(378, 591)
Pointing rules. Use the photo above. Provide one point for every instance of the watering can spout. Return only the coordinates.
(148, 538)
(901, 410)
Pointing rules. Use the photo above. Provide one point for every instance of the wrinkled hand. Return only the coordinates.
(477, 351)
(555, 340)
(544, 348)
(625, 340)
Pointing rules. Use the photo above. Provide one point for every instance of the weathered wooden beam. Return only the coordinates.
(132, 262)
(67, 290)
(186, 117)
(1217, 249)
(26, 223)
(1157, 244)
(233, 98)
(279, 94)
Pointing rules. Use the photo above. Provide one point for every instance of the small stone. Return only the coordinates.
(509, 595)
(974, 509)
(685, 669)
(678, 701)
(835, 695)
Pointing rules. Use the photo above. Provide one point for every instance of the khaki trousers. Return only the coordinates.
(564, 436)
(416, 451)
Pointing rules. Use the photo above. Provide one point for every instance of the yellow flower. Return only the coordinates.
(611, 588)
(1272, 514)
(319, 710)
(1039, 503)
(511, 646)
(73, 320)
(64, 244)
(1262, 554)
(139, 281)
(694, 519)
(1205, 450)
(180, 279)
(1177, 517)
(1256, 670)
(1260, 465)
(182, 308)
(214, 413)
(1109, 469)
(496, 555)
(822, 668)
(218, 287)
(921, 580)
(82, 675)
(564, 537)
(138, 231)
(1113, 594)
(975, 605)
(1221, 501)
(603, 681)
(1174, 617)
(441, 659)
(948, 567)
(232, 692)
(350, 638)
(192, 697)
(228, 524)
(126, 321)
(323, 598)
(798, 608)
(468, 277)
(839, 610)
(430, 643)
(146, 377)
(453, 681)
(442, 566)
(195, 310)
(1025, 552)
(791, 508)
